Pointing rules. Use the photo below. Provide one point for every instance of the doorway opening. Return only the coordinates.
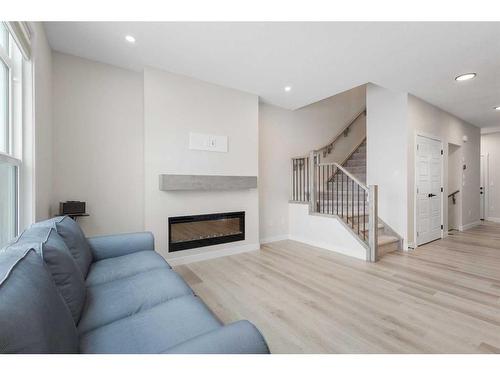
(454, 194)
(483, 188)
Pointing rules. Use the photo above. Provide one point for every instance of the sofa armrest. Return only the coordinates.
(241, 337)
(120, 244)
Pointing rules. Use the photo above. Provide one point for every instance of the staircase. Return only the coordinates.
(340, 190)
(355, 164)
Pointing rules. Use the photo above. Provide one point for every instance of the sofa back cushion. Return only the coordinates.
(57, 257)
(33, 316)
(74, 238)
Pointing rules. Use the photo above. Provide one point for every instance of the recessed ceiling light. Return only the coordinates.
(288, 88)
(130, 39)
(497, 108)
(465, 77)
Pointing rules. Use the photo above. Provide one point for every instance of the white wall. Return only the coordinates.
(316, 230)
(175, 105)
(98, 143)
(454, 183)
(42, 76)
(284, 134)
(490, 147)
(116, 130)
(387, 139)
(394, 120)
(427, 119)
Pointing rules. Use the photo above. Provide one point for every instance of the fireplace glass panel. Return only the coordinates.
(188, 232)
(199, 230)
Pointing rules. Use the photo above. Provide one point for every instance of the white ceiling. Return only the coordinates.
(317, 59)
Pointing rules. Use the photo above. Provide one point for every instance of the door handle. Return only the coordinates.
(431, 195)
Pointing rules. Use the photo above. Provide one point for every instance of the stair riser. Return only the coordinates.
(355, 163)
(356, 169)
(344, 178)
(342, 199)
(343, 194)
(344, 181)
(360, 177)
(360, 219)
(352, 170)
(344, 214)
(345, 209)
(338, 195)
(357, 156)
(381, 231)
(388, 248)
(346, 203)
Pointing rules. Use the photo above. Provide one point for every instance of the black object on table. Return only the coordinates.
(73, 209)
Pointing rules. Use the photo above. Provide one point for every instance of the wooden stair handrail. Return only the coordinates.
(346, 172)
(358, 115)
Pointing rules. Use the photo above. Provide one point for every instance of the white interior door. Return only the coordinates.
(429, 194)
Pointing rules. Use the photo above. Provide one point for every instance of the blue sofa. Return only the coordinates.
(61, 292)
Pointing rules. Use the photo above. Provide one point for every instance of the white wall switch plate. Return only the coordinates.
(207, 142)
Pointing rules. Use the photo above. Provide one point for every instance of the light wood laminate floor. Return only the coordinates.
(443, 297)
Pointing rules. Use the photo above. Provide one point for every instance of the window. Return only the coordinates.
(8, 202)
(10, 132)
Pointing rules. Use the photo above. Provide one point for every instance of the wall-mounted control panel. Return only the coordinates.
(207, 142)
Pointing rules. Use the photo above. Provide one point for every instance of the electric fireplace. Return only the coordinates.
(189, 232)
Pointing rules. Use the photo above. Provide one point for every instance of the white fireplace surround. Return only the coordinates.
(181, 181)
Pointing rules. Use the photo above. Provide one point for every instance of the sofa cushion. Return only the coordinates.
(74, 238)
(33, 315)
(65, 272)
(56, 255)
(115, 245)
(154, 330)
(124, 297)
(240, 337)
(123, 266)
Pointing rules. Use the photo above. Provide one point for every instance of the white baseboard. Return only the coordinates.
(469, 226)
(494, 219)
(211, 254)
(275, 238)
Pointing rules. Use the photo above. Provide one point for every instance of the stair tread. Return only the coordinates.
(385, 239)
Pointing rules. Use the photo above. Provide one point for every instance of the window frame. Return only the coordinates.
(16, 163)
(6, 59)
(8, 156)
